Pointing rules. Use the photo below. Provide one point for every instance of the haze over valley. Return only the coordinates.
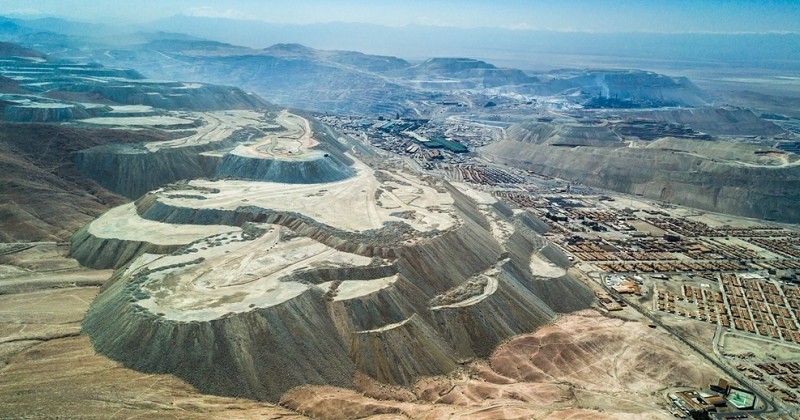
(553, 211)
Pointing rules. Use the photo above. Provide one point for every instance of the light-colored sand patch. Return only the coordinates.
(349, 204)
(350, 289)
(37, 84)
(488, 290)
(298, 128)
(763, 349)
(480, 197)
(262, 152)
(645, 227)
(386, 327)
(294, 142)
(234, 275)
(89, 105)
(141, 261)
(161, 121)
(296, 139)
(721, 220)
(47, 105)
(544, 268)
(131, 109)
(501, 229)
(125, 224)
(218, 126)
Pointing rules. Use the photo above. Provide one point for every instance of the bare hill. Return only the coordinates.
(564, 134)
(762, 183)
(583, 366)
(346, 270)
(625, 88)
(8, 49)
(45, 197)
(48, 197)
(347, 82)
(715, 121)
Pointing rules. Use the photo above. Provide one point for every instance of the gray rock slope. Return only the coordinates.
(395, 335)
(698, 174)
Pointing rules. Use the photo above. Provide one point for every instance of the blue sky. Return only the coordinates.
(562, 15)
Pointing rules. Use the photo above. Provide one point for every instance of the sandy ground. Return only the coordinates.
(43, 265)
(350, 289)
(645, 227)
(480, 197)
(64, 378)
(763, 349)
(350, 204)
(544, 268)
(237, 275)
(294, 142)
(160, 120)
(218, 126)
(585, 366)
(124, 223)
(700, 333)
(131, 109)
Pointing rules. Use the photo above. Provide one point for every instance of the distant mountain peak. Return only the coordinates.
(455, 64)
(290, 50)
(173, 44)
(8, 49)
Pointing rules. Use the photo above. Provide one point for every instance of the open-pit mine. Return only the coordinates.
(473, 241)
(297, 262)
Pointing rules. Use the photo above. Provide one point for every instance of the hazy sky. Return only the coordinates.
(562, 15)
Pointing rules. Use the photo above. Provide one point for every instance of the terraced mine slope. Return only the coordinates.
(726, 177)
(268, 257)
(53, 109)
(354, 266)
(54, 91)
(624, 88)
(348, 82)
(44, 197)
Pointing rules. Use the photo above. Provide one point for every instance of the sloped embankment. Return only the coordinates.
(316, 168)
(132, 170)
(693, 178)
(396, 310)
(256, 354)
(401, 353)
(118, 237)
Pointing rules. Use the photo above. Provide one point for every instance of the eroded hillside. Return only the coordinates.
(53, 110)
(746, 180)
(269, 259)
(337, 271)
